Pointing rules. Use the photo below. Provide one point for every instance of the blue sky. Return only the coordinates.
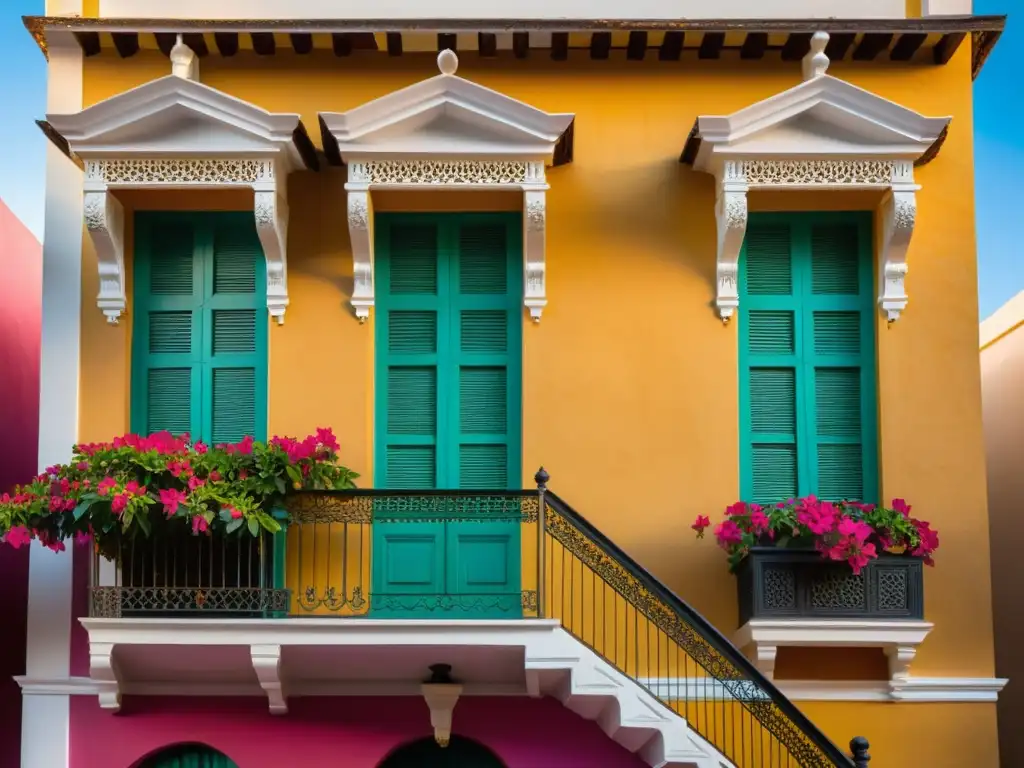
(999, 154)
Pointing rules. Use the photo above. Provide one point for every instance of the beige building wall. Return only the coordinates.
(1002, 387)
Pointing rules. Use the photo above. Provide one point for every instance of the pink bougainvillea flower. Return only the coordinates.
(736, 510)
(105, 486)
(132, 488)
(171, 498)
(118, 503)
(199, 524)
(200, 448)
(235, 513)
(179, 468)
(325, 437)
(901, 506)
(728, 533)
(242, 474)
(194, 482)
(83, 537)
(859, 557)
(758, 521)
(214, 476)
(18, 536)
(702, 522)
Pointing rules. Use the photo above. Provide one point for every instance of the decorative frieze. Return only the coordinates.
(179, 171)
(446, 172)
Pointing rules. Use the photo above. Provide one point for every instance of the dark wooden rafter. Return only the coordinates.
(227, 43)
(263, 43)
(947, 46)
(600, 45)
(839, 45)
(89, 42)
(521, 44)
(447, 41)
(754, 46)
(672, 46)
(165, 41)
(487, 44)
(126, 43)
(711, 45)
(796, 47)
(907, 45)
(559, 46)
(872, 44)
(636, 48)
(394, 40)
(302, 42)
(197, 42)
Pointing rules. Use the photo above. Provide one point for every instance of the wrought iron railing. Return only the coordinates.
(334, 560)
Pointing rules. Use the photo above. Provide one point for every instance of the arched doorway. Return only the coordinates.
(187, 756)
(425, 753)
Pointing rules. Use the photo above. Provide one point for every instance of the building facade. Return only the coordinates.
(663, 255)
(1002, 355)
(21, 278)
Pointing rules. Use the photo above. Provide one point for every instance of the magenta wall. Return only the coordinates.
(334, 732)
(21, 280)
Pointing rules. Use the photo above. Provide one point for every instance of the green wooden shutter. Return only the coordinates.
(199, 357)
(411, 335)
(807, 372)
(769, 333)
(167, 326)
(486, 328)
(189, 756)
(235, 403)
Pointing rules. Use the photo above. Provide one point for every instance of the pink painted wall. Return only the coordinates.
(333, 732)
(21, 280)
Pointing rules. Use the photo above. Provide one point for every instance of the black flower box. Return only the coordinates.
(798, 583)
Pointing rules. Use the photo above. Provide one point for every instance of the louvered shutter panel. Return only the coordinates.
(411, 285)
(235, 314)
(167, 327)
(840, 362)
(485, 328)
(189, 756)
(769, 344)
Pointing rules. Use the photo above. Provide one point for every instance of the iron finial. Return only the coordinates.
(541, 478)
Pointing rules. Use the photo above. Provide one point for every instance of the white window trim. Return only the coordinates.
(141, 139)
(875, 149)
(489, 142)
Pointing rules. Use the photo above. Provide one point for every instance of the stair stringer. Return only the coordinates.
(560, 666)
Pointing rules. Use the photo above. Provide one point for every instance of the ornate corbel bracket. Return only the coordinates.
(360, 216)
(731, 218)
(899, 215)
(104, 220)
(534, 261)
(103, 671)
(266, 662)
(271, 210)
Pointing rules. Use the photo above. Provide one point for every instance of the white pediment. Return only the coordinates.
(821, 118)
(446, 115)
(177, 116)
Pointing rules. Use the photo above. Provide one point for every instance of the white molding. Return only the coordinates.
(175, 132)
(447, 133)
(821, 135)
(912, 689)
(898, 638)
(45, 721)
(557, 664)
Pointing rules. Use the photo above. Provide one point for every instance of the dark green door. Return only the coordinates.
(448, 410)
(426, 753)
(188, 756)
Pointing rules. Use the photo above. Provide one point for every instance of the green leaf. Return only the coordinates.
(144, 523)
(783, 541)
(83, 507)
(281, 487)
(293, 473)
(225, 516)
(254, 526)
(234, 525)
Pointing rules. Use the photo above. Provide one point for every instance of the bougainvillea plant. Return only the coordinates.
(111, 491)
(843, 531)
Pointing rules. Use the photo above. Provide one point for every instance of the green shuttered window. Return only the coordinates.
(199, 352)
(448, 353)
(807, 358)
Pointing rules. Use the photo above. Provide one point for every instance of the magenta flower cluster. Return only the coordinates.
(845, 531)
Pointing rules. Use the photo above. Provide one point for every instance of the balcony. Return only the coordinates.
(366, 590)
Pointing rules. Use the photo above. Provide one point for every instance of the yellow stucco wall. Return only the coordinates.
(630, 380)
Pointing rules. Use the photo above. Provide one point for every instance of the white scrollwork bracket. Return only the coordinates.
(534, 222)
(105, 674)
(899, 211)
(271, 211)
(359, 230)
(731, 219)
(104, 220)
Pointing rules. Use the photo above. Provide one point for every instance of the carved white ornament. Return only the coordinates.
(446, 172)
(359, 217)
(104, 218)
(737, 177)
